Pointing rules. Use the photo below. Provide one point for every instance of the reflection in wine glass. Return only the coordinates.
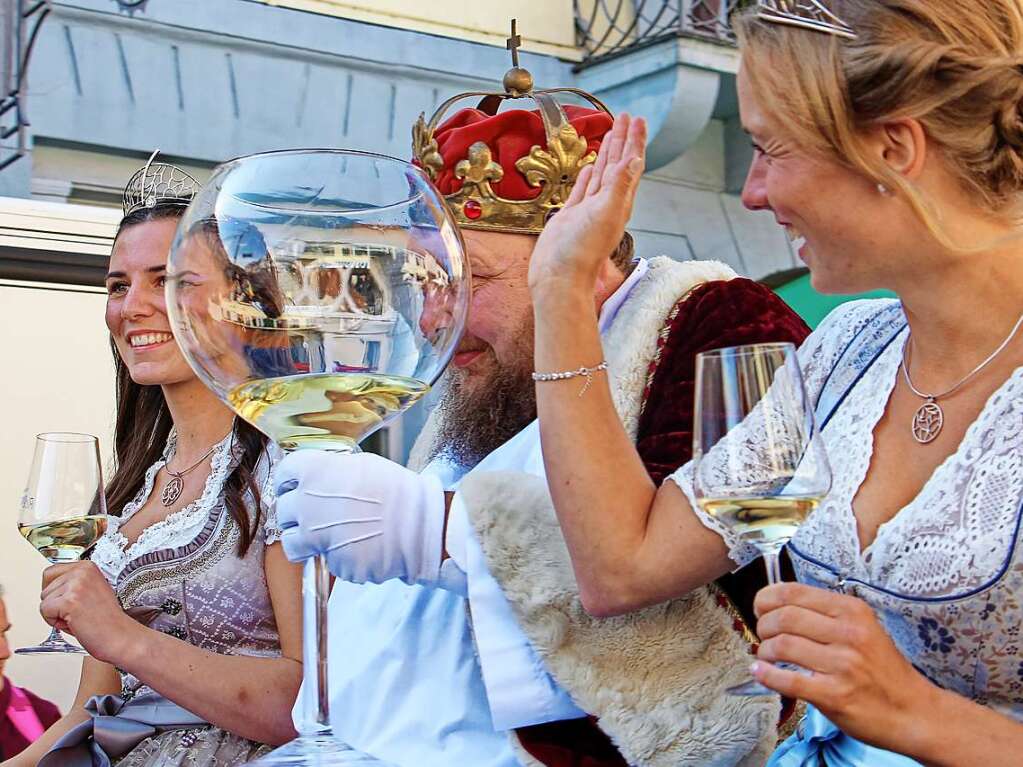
(761, 468)
(319, 293)
(63, 510)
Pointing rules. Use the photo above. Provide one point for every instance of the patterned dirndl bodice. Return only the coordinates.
(183, 576)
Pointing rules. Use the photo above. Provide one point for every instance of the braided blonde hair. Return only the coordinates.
(956, 66)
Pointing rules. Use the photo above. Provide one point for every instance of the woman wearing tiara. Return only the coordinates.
(189, 609)
(888, 140)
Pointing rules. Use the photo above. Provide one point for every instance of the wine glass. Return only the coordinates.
(63, 511)
(319, 293)
(761, 468)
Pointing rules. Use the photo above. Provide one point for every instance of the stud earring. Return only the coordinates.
(884, 190)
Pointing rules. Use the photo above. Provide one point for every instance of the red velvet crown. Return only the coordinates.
(509, 171)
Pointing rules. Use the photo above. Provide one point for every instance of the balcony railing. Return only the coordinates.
(606, 28)
(20, 21)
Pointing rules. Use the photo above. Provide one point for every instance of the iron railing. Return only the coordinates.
(19, 27)
(605, 28)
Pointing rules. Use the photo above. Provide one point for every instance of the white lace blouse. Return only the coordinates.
(945, 574)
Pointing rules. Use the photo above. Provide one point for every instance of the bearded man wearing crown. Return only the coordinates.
(457, 621)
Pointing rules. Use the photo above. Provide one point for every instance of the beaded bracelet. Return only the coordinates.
(585, 372)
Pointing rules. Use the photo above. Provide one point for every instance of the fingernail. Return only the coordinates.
(755, 667)
(635, 164)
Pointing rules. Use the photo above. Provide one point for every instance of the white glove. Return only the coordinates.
(373, 519)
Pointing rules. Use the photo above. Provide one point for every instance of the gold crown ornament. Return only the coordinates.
(158, 184)
(548, 172)
(808, 14)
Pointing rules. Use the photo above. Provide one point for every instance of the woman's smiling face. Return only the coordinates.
(136, 312)
(830, 212)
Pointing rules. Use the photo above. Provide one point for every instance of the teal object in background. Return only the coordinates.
(794, 288)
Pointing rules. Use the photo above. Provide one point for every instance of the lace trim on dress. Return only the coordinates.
(958, 532)
(739, 551)
(113, 552)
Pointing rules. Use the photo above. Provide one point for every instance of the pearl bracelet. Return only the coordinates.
(587, 373)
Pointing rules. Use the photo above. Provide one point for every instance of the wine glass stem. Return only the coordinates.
(772, 561)
(55, 637)
(316, 700)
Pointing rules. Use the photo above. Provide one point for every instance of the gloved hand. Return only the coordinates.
(373, 519)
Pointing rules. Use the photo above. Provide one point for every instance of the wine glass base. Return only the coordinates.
(63, 648)
(324, 751)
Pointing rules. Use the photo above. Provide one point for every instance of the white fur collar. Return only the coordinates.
(631, 341)
(655, 679)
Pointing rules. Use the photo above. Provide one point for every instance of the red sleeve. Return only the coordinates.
(715, 315)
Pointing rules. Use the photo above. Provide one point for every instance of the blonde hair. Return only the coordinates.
(956, 66)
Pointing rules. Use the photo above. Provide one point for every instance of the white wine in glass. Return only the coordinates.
(319, 293)
(760, 466)
(340, 407)
(63, 510)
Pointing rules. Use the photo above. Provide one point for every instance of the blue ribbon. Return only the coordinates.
(819, 743)
(115, 727)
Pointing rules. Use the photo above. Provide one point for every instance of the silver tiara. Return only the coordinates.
(156, 184)
(808, 14)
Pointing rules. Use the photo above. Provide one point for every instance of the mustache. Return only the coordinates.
(470, 346)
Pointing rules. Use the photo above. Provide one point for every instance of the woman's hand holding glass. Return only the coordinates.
(860, 680)
(63, 509)
(760, 465)
(77, 598)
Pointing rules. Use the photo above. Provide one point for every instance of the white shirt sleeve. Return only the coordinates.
(452, 569)
(520, 690)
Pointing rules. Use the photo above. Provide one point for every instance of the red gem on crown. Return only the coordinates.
(472, 209)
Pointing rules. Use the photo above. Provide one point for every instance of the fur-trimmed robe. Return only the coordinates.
(653, 681)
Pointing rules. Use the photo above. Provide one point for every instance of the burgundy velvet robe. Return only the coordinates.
(714, 315)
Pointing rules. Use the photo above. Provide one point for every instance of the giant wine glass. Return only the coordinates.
(319, 293)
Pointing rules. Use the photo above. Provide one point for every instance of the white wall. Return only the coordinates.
(57, 376)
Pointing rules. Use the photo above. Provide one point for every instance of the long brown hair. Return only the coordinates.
(143, 425)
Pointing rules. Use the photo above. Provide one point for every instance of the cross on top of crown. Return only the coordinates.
(513, 43)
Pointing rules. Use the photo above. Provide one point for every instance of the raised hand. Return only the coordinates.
(576, 243)
(860, 680)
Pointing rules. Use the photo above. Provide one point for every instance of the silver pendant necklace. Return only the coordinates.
(176, 485)
(929, 417)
